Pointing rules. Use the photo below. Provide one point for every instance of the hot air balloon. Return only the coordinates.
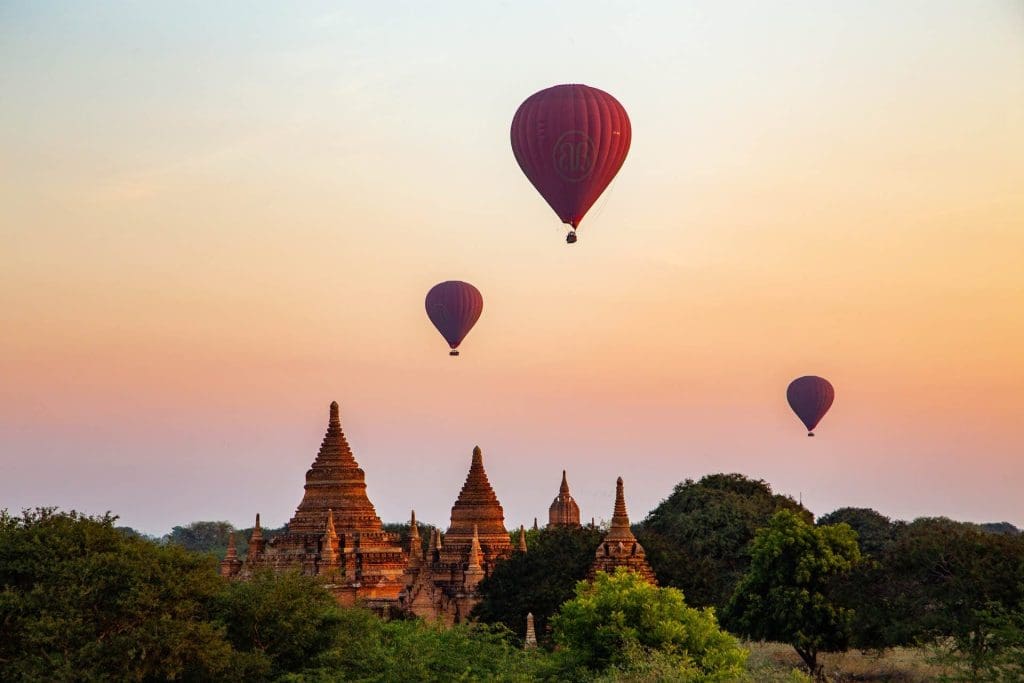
(570, 141)
(454, 307)
(810, 398)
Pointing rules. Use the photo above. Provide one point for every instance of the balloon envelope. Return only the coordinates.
(810, 398)
(454, 307)
(570, 141)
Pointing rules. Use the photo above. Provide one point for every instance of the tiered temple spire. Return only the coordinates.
(564, 511)
(230, 565)
(335, 481)
(477, 512)
(521, 547)
(620, 547)
(531, 634)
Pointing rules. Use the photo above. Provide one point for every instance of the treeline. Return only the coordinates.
(853, 579)
(81, 600)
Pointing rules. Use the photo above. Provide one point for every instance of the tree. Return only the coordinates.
(612, 618)
(539, 580)
(939, 579)
(785, 595)
(373, 650)
(281, 622)
(81, 600)
(201, 537)
(874, 530)
(698, 538)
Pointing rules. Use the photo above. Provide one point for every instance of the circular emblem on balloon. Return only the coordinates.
(573, 155)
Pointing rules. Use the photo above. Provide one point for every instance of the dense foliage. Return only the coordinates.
(539, 580)
(80, 600)
(786, 595)
(616, 616)
(698, 538)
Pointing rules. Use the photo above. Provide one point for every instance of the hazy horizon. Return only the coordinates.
(218, 218)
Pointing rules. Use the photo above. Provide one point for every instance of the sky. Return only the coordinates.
(216, 218)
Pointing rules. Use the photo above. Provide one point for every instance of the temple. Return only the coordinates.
(336, 534)
(564, 511)
(442, 585)
(619, 548)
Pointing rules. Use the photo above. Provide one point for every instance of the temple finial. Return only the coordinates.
(257, 531)
(330, 523)
(474, 550)
(620, 504)
(478, 456)
(564, 488)
(232, 551)
(522, 539)
(335, 417)
(414, 530)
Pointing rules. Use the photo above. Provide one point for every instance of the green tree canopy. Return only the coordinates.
(81, 600)
(785, 595)
(874, 530)
(539, 580)
(612, 617)
(936, 579)
(698, 538)
(281, 622)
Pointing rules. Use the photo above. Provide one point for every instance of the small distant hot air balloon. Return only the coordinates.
(810, 398)
(454, 307)
(570, 141)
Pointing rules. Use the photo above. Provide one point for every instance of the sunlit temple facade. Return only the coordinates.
(336, 534)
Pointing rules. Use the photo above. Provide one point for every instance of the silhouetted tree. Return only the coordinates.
(697, 539)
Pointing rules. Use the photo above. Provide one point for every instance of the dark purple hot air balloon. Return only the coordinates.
(570, 141)
(810, 398)
(454, 308)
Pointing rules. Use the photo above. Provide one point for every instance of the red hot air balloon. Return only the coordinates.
(570, 141)
(454, 307)
(810, 398)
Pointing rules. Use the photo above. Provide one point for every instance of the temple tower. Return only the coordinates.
(564, 511)
(477, 511)
(620, 547)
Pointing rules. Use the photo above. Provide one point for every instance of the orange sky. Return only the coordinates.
(213, 224)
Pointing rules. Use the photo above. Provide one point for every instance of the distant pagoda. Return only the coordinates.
(619, 548)
(564, 511)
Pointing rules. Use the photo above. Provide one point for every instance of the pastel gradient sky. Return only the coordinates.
(215, 218)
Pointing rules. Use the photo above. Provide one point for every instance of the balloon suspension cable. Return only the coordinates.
(453, 352)
(571, 237)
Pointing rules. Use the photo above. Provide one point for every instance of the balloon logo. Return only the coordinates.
(810, 398)
(454, 307)
(573, 156)
(570, 141)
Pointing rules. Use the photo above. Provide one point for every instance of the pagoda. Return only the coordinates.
(564, 511)
(619, 548)
(335, 531)
(441, 585)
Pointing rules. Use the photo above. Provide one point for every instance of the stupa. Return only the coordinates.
(564, 511)
(335, 531)
(619, 548)
(442, 584)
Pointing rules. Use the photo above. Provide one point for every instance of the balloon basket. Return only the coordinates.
(571, 237)
(810, 433)
(453, 353)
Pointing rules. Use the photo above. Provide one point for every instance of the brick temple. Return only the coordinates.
(336, 534)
